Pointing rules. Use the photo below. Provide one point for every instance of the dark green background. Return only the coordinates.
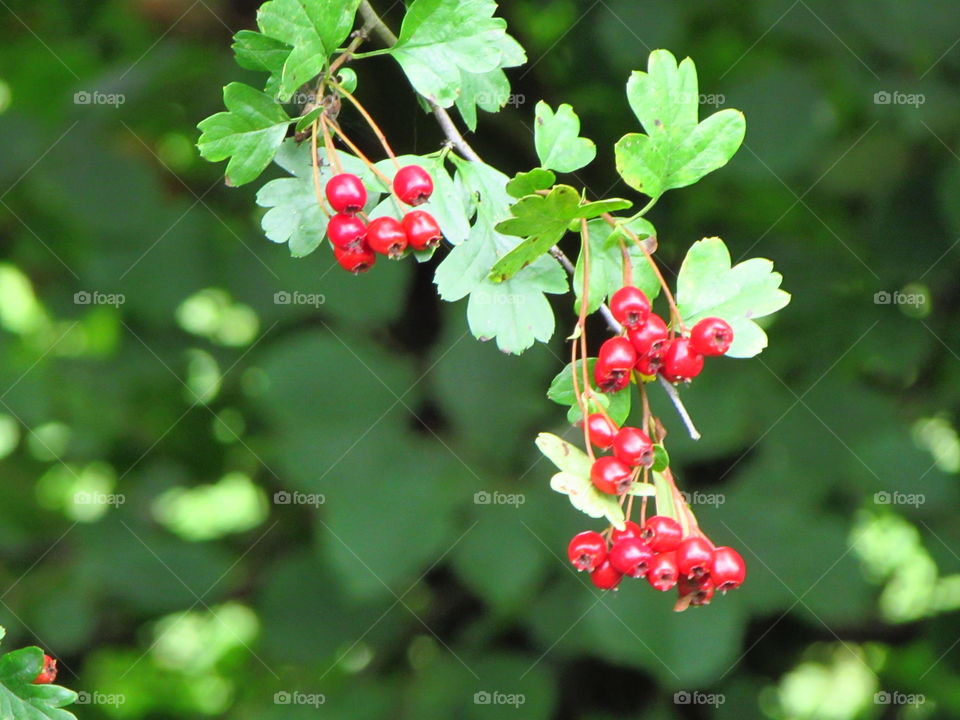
(400, 597)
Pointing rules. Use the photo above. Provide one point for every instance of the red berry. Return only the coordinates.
(356, 259)
(610, 476)
(587, 550)
(630, 530)
(630, 307)
(631, 556)
(601, 430)
(422, 230)
(346, 231)
(615, 360)
(385, 235)
(695, 557)
(697, 592)
(729, 570)
(633, 447)
(606, 577)
(711, 336)
(680, 361)
(413, 185)
(663, 574)
(651, 363)
(346, 193)
(662, 533)
(48, 673)
(650, 336)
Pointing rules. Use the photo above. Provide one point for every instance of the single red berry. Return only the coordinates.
(662, 573)
(601, 430)
(631, 529)
(662, 533)
(48, 673)
(346, 231)
(696, 592)
(615, 360)
(711, 336)
(630, 306)
(356, 259)
(631, 556)
(413, 185)
(633, 447)
(587, 550)
(385, 235)
(606, 577)
(346, 193)
(729, 570)
(610, 476)
(680, 361)
(422, 230)
(695, 557)
(650, 336)
(651, 363)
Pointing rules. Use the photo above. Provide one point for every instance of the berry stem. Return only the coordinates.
(316, 170)
(335, 126)
(370, 121)
(328, 144)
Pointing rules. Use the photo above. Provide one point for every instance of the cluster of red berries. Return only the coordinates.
(659, 552)
(648, 347)
(48, 672)
(356, 243)
(632, 450)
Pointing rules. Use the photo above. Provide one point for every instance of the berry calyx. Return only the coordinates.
(587, 550)
(346, 231)
(413, 185)
(631, 556)
(729, 570)
(356, 259)
(630, 306)
(601, 430)
(662, 533)
(695, 557)
(615, 360)
(680, 361)
(346, 193)
(711, 336)
(48, 673)
(663, 574)
(385, 235)
(606, 577)
(630, 530)
(695, 592)
(611, 476)
(651, 363)
(633, 447)
(649, 337)
(422, 229)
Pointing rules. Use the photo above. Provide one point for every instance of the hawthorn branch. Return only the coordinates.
(375, 24)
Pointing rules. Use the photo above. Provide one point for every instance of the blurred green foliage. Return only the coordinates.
(218, 503)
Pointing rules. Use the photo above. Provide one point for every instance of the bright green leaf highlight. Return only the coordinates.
(573, 480)
(556, 136)
(528, 183)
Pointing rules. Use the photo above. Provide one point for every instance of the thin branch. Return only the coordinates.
(681, 409)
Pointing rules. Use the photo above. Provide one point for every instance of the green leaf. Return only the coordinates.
(661, 459)
(490, 91)
(587, 499)
(642, 489)
(515, 312)
(22, 700)
(293, 216)
(543, 220)
(256, 51)
(606, 267)
(709, 287)
(561, 392)
(665, 502)
(528, 183)
(676, 151)
(312, 28)
(567, 457)
(441, 38)
(249, 133)
(556, 138)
